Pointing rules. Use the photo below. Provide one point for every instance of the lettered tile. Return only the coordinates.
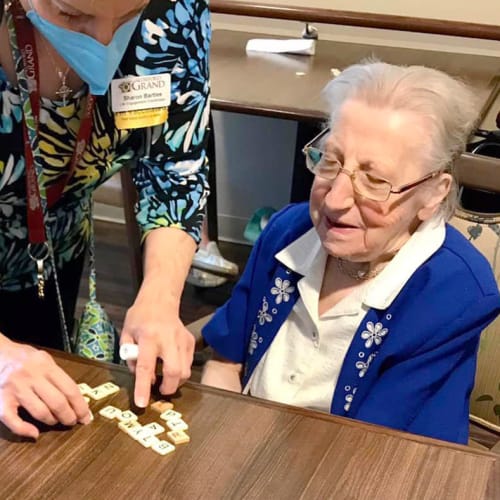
(109, 388)
(162, 406)
(148, 441)
(126, 415)
(110, 412)
(84, 388)
(171, 415)
(155, 428)
(97, 393)
(163, 447)
(128, 425)
(139, 432)
(177, 425)
(178, 437)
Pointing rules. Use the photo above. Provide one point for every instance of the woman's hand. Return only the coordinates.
(153, 321)
(30, 378)
(159, 333)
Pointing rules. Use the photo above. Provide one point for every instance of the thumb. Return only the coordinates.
(17, 425)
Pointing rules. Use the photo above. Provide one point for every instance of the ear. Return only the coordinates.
(435, 195)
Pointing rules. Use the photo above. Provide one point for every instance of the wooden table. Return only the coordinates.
(240, 448)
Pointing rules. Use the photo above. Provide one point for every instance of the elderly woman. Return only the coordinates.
(365, 303)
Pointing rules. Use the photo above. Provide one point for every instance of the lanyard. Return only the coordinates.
(26, 40)
(39, 198)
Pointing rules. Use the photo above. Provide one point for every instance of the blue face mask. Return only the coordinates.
(94, 62)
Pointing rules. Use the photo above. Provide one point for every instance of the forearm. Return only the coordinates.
(168, 253)
(223, 374)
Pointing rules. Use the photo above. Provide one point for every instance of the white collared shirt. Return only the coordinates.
(303, 363)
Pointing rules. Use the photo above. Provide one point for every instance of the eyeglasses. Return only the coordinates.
(365, 184)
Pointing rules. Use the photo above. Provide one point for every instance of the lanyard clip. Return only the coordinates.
(39, 260)
(40, 279)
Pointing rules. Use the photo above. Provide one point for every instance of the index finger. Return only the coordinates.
(144, 373)
(68, 387)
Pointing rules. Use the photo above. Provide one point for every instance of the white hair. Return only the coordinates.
(448, 105)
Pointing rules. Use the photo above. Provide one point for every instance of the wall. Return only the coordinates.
(479, 11)
(255, 155)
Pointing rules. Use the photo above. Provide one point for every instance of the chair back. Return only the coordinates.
(483, 230)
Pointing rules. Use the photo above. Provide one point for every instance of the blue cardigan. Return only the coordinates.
(410, 366)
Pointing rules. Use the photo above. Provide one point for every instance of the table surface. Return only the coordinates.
(289, 86)
(240, 447)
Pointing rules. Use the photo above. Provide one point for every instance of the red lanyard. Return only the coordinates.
(26, 41)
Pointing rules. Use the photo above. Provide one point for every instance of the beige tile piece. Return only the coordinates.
(177, 425)
(97, 393)
(126, 415)
(155, 428)
(171, 415)
(139, 432)
(162, 406)
(178, 437)
(109, 412)
(163, 447)
(128, 425)
(109, 388)
(148, 441)
(84, 388)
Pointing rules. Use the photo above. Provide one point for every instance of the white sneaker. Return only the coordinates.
(210, 259)
(202, 279)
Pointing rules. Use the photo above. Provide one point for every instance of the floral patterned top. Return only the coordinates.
(170, 169)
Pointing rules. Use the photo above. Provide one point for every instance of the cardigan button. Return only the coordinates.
(292, 378)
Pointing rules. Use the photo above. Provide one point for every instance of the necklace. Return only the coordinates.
(64, 91)
(357, 275)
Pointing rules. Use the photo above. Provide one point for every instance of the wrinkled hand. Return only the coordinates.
(30, 378)
(159, 333)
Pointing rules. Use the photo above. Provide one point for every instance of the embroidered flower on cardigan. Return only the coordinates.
(363, 366)
(254, 341)
(374, 334)
(349, 399)
(263, 315)
(282, 290)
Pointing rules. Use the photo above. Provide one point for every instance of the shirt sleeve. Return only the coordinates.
(428, 393)
(171, 177)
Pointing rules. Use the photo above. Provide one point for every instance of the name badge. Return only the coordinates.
(140, 101)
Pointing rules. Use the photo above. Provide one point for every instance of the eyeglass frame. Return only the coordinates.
(392, 190)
